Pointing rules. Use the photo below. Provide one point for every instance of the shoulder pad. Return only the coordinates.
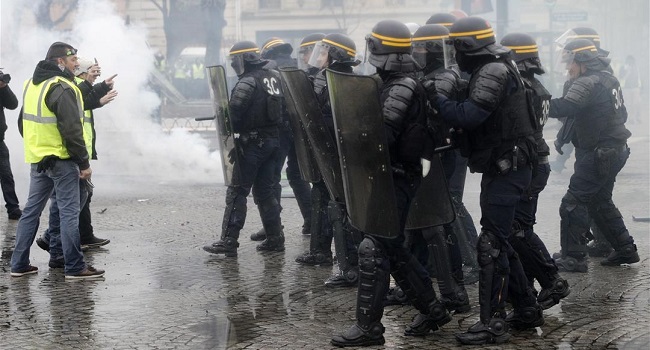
(398, 100)
(580, 89)
(446, 83)
(489, 85)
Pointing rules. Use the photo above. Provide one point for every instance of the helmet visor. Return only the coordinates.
(563, 60)
(304, 54)
(320, 55)
(570, 35)
(237, 63)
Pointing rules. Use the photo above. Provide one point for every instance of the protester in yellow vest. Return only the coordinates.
(52, 119)
(94, 96)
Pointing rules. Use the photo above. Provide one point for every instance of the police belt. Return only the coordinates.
(264, 132)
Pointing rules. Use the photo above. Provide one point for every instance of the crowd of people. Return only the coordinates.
(385, 188)
(388, 191)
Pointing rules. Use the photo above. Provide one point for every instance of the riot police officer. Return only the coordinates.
(434, 54)
(535, 258)
(305, 50)
(403, 105)
(278, 53)
(255, 110)
(594, 102)
(500, 145)
(336, 52)
(463, 228)
(598, 246)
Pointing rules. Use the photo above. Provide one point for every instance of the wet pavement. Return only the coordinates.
(161, 290)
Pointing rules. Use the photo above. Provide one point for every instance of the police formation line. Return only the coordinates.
(385, 144)
(377, 153)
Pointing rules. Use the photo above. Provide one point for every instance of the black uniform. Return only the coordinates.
(499, 127)
(403, 105)
(255, 110)
(7, 100)
(594, 101)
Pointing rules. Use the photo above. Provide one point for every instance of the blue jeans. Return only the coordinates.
(64, 179)
(53, 233)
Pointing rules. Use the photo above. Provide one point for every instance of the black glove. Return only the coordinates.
(232, 155)
(430, 88)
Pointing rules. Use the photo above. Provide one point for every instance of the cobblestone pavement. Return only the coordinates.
(161, 290)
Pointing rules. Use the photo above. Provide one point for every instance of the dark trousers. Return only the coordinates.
(85, 223)
(499, 198)
(7, 180)
(301, 188)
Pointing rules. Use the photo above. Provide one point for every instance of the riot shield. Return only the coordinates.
(306, 162)
(432, 205)
(225, 134)
(363, 154)
(301, 92)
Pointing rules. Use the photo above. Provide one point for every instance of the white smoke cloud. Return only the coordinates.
(128, 142)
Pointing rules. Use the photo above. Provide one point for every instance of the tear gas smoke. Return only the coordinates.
(129, 143)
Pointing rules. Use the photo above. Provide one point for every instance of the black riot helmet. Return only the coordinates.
(244, 53)
(524, 52)
(579, 51)
(582, 33)
(474, 36)
(274, 47)
(334, 48)
(389, 47)
(431, 47)
(307, 47)
(444, 19)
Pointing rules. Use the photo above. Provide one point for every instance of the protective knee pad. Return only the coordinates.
(374, 279)
(533, 260)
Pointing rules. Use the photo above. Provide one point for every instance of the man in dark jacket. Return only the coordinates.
(55, 147)
(7, 100)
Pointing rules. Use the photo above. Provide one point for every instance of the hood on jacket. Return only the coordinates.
(48, 69)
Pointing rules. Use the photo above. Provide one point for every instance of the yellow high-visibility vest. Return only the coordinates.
(41, 135)
(87, 123)
(198, 71)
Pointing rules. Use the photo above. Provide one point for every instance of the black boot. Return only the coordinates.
(375, 278)
(274, 241)
(571, 264)
(360, 336)
(526, 317)
(495, 331)
(626, 254)
(227, 246)
(349, 278)
(396, 296)
(423, 324)
(551, 296)
(315, 259)
(259, 235)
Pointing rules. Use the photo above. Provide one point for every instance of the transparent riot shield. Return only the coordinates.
(225, 134)
(306, 161)
(363, 153)
(432, 205)
(300, 92)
